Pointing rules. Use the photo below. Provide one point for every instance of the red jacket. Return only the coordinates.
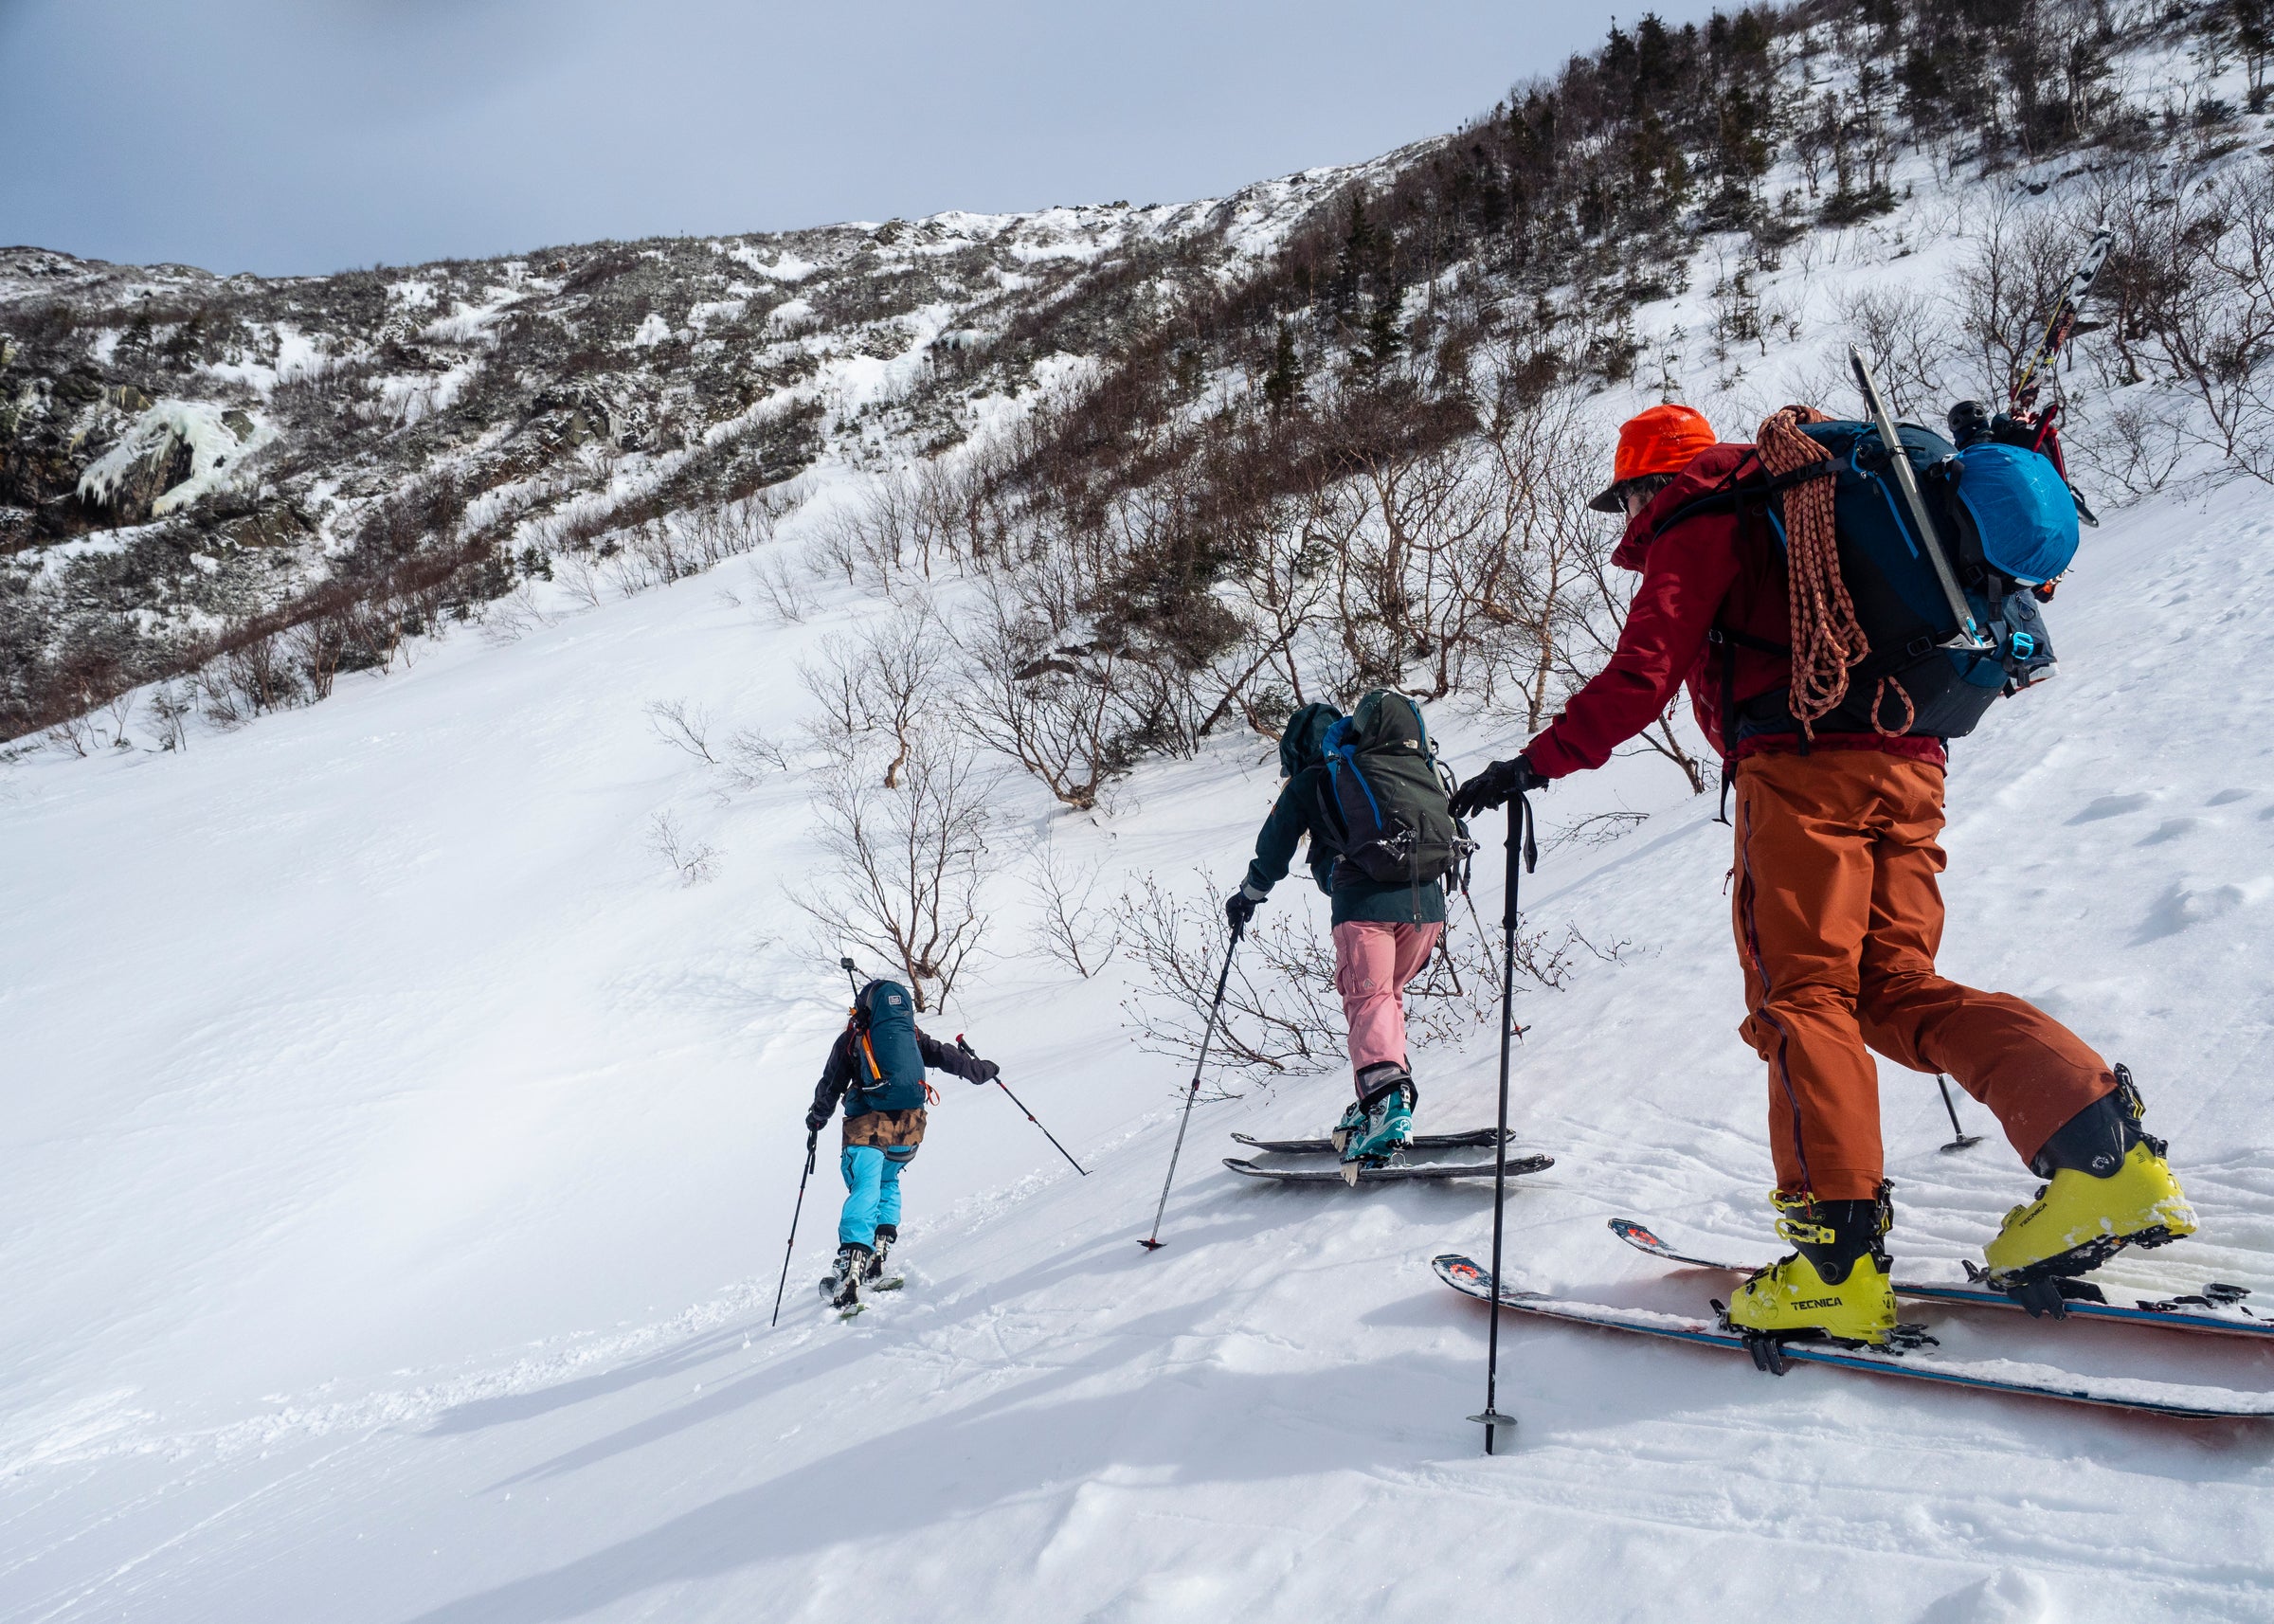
(1708, 570)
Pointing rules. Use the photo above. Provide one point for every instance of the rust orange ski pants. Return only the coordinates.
(1839, 917)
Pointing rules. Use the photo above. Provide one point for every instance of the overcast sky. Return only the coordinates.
(295, 136)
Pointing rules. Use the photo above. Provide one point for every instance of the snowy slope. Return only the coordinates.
(398, 1160)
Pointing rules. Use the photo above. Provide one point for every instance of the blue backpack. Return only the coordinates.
(887, 1067)
(2006, 523)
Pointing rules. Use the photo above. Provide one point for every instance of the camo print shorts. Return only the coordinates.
(885, 1128)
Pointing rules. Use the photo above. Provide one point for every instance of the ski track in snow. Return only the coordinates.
(399, 1161)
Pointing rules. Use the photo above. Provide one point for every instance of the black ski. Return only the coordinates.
(1391, 1173)
(2022, 401)
(1476, 1138)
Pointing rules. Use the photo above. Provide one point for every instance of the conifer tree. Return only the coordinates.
(1285, 380)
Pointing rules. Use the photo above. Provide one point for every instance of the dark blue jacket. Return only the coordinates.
(842, 1071)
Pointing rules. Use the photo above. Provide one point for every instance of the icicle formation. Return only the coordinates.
(1826, 636)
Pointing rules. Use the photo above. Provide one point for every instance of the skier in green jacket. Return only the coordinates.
(1383, 933)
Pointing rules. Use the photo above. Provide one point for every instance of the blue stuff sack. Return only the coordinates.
(2022, 512)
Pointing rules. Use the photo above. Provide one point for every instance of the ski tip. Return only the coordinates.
(1634, 1234)
(1458, 1269)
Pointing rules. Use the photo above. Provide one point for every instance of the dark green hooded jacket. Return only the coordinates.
(1304, 807)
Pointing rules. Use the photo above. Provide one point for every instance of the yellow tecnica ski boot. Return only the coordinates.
(1835, 1284)
(2107, 1186)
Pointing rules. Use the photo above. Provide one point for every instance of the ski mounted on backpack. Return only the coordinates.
(2024, 422)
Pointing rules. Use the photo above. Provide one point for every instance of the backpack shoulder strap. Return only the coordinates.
(1737, 489)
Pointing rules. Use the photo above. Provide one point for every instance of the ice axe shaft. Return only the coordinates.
(1969, 635)
(1960, 1138)
(1023, 1112)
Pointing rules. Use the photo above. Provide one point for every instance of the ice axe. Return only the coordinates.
(1963, 1138)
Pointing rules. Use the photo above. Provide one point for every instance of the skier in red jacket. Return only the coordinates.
(1837, 916)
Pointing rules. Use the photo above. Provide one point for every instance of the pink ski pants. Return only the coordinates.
(1372, 963)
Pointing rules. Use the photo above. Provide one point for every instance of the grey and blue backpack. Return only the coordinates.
(1390, 794)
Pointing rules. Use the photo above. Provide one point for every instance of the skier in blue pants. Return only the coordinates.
(871, 1212)
(877, 1068)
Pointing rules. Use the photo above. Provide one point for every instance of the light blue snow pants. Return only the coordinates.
(872, 1190)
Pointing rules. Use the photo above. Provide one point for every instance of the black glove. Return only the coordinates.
(816, 1120)
(1239, 907)
(984, 1071)
(1492, 786)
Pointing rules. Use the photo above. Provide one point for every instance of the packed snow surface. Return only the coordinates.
(398, 1161)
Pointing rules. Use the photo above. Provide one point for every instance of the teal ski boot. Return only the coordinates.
(1384, 1122)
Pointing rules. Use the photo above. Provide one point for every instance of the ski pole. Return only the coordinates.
(1028, 1114)
(1153, 1242)
(1962, 1138)
(811, 1140)
(1521, 838)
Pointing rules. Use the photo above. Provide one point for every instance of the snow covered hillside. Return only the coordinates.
(401, 1094)
(399, 1161)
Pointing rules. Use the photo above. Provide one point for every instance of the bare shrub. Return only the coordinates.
(651, 554)
(217, 698)
(170, 709)
(75, 733)
(2193, 281)
(752, 757)
(263, 674)
(1072, 931)
(1050, 706)
(581, 576)
(690, 859)
(883, 682)
(1597, 829)
(315, 648)
(120, 710)
(2138, 447)
(1908, 335)
(783, 586)
(1282, 1013)
(2003, 292)
(902, 861)
(684, 726)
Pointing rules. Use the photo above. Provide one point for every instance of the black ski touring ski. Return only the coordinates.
(2213, 1307)
(1389, 1173)
(1918, 1363)
(2059, 326)
(1475, 1138)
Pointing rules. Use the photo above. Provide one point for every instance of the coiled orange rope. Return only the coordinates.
(1827, 639)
